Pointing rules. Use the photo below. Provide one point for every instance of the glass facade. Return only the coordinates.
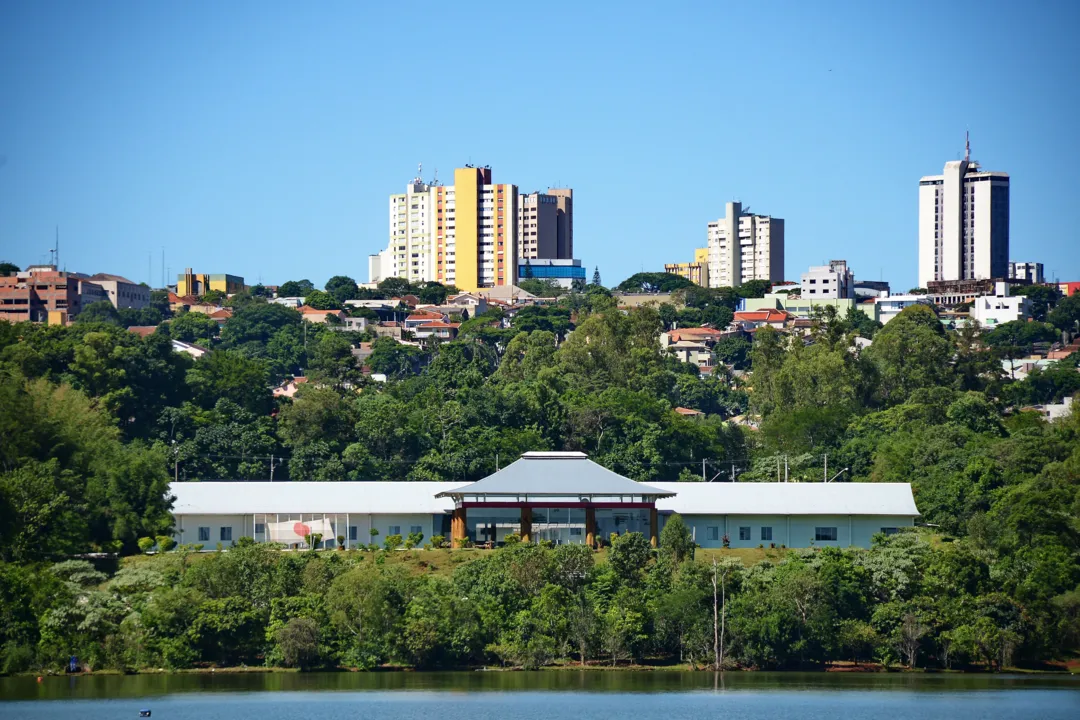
(539, 272)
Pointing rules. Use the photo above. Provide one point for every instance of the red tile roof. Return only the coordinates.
(415, 317)
(688, 411)
(768, 315)
(438, 324)
(142, 330)
(222, 314)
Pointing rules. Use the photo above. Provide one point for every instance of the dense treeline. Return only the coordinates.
(96, 421)
(906, 601)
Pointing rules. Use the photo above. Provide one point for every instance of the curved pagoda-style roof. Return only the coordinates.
(563, 476)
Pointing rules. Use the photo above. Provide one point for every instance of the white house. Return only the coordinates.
(891, 306)
(993, 310)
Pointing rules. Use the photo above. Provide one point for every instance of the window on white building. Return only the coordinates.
(766, 533)
(226, 534)
(204, 534)
(394, 530)
(825, 534)
(713, 533)
(744, 533)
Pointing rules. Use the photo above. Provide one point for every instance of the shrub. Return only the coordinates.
(438, 541)
(341, 542)
(511, 539)
(413, 539)
(298, 643)
(165, 543)
(392, 542)
(146, 544)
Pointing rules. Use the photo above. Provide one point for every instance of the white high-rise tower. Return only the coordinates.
(963, 223)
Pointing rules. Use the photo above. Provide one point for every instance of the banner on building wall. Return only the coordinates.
(292, 531)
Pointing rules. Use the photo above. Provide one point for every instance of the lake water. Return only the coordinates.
(543, 696)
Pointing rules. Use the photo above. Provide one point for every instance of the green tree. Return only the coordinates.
(194, 328)
(321, 300)
(596, 277)
(628, 554)
(653, 282)
(298, 643)
(675, 538)
(1043, 299)
(7, 269)
(101, 311)
(910, 352)
(230, 374)
(341, 288)
(295, 288)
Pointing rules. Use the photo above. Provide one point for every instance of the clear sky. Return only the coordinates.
(263, 138)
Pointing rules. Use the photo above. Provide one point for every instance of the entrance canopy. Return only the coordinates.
(555, 479)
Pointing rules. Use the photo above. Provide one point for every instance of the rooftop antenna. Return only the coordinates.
(54, 252)
(967, 146)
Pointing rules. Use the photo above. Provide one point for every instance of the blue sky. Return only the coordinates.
(263, 138)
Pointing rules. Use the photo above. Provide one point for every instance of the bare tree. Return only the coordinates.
(911, 633)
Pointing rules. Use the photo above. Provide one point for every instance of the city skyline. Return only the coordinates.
(253, 139)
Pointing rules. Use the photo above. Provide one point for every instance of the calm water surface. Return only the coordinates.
(542, 696)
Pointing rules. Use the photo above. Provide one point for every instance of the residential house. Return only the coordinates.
(221, 316)
(753, 319)
(289, 388)
(195, 351)
(388, 329)
(422, 318)
(310, 314)
(993, 310)
(436, 329)
(695, 353)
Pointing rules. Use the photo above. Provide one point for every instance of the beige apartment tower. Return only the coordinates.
(744, 247)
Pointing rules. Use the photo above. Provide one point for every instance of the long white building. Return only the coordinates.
(562, 497)
(743, 247)
(963, 223)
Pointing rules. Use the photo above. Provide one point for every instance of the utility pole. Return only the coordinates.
(702, 469)
(271, 467)
(825, 475)
(176, 462)
(777, 468)
(785, 469)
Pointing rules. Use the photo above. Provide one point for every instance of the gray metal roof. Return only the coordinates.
(556, 474)
(802, 498)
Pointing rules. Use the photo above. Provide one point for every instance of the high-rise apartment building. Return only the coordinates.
(410, 254)
(546, 225)
(1031, 272)
(465, 234)
(744, 247)
(963, 223)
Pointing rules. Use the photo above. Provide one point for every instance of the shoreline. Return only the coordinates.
(1062, 668)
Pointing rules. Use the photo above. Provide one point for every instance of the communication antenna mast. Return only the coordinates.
(967, 146)
(54, 252)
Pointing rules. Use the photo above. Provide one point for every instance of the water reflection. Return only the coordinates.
(113, 686)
